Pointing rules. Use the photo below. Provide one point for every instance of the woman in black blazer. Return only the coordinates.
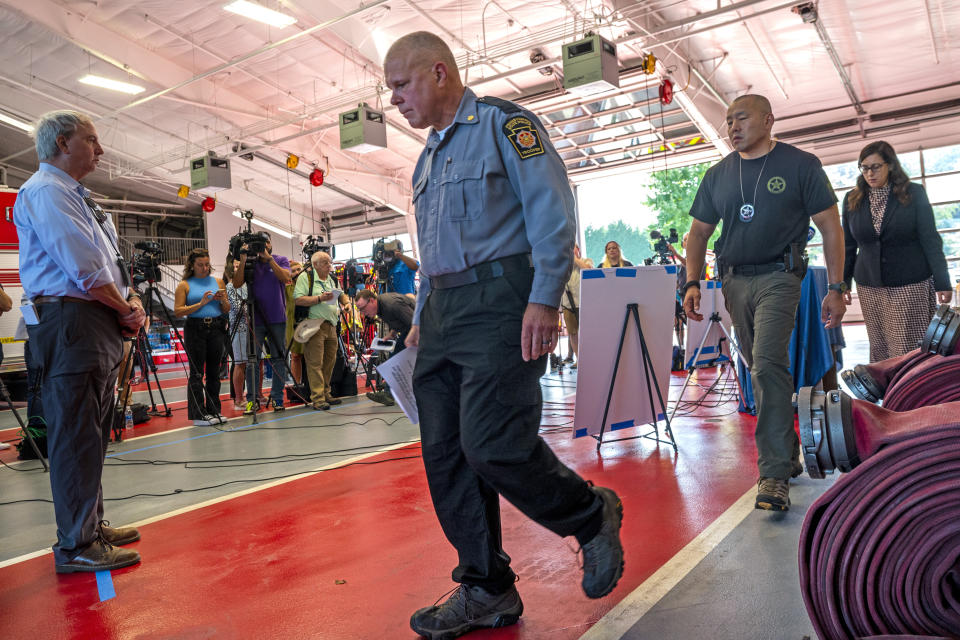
(894, 251)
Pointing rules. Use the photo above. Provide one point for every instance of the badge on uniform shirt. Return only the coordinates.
(524, 137)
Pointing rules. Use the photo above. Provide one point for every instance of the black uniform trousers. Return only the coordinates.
(76, 348)
(479, 406)
(203, 343)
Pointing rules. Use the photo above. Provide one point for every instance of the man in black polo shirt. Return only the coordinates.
(396, 310)
(766, 193)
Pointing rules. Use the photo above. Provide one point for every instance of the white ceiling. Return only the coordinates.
(215, 80)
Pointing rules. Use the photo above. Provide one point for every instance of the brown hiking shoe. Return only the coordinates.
(773, 494)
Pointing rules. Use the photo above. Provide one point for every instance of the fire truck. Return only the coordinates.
(10, 279)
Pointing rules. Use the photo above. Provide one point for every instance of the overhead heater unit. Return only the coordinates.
(590, 66)
(209, 174)
(363, 130)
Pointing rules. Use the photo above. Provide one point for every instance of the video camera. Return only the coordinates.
(384, 255)
(316, 243)
(145, 265)
(662, 247)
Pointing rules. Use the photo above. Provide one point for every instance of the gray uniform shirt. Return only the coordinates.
(492, 187)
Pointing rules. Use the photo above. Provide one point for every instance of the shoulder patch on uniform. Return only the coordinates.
(504, 105)
(524, 137)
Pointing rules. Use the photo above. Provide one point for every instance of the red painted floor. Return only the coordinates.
(350, 553)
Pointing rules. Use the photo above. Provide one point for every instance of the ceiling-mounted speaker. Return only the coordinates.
(209, 173)
(590, 66)
(363, 130)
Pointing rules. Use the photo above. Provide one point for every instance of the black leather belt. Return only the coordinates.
(753, 269)
(482, 271)
(207, 321)
(71, 299)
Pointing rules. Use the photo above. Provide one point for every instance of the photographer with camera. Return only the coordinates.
(202, 298)
(396, 311)
(268, 275)
(394, 269)
(319, 328)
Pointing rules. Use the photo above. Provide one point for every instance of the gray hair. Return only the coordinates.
(54, 124)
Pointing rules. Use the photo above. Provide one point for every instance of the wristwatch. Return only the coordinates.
(692, 283)
(840, 287)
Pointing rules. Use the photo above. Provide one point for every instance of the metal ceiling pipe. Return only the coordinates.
(139, 203)
(252, 54)
(837, 64)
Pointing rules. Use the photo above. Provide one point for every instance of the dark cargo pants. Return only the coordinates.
(764, 310)
(479, 406)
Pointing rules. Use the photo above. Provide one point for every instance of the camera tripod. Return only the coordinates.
(714, 320)
(141, 347)
(5, 396)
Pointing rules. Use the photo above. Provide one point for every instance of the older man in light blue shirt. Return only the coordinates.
(71, 270)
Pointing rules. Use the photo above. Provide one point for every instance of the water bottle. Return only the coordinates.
(956, 295)
(128, 418)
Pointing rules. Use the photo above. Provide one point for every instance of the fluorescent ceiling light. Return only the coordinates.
(260, 13)
(19, 124)
(113, 85)
(266, 225)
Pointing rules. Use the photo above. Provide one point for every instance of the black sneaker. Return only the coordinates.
(603, 554)
(773, 494)
(797, 470)
(468, 608)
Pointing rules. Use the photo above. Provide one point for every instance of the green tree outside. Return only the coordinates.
(671, 195)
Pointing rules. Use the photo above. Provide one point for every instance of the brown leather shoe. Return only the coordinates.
(100, 556)
(118, 537)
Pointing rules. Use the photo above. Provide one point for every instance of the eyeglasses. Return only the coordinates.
(871, 168)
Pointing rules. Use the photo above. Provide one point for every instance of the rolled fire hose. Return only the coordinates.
(880, 550)
(933, 381)
(871, 381)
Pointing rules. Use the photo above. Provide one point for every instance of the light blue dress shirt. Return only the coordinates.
(64, 251)
(477, 200)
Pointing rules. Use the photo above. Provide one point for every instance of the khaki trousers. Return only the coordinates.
(320, 353)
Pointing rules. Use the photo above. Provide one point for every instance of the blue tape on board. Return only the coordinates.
(626, 424)
(712, 285)
(626, 273)
(660, 417)
(105, 585)
(579, 433)
(590, 274)
(671, 268)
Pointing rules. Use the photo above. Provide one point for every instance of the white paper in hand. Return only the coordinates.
(398, 372)
(336, 297)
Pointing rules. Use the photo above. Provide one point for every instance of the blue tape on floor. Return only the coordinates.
(105, 585)
(626, 424)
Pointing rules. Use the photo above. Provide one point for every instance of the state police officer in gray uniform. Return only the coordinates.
(496, 224)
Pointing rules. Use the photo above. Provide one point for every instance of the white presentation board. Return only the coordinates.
(604, 295)
(714, 350)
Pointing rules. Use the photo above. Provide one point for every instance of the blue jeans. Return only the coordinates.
(274, 334)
